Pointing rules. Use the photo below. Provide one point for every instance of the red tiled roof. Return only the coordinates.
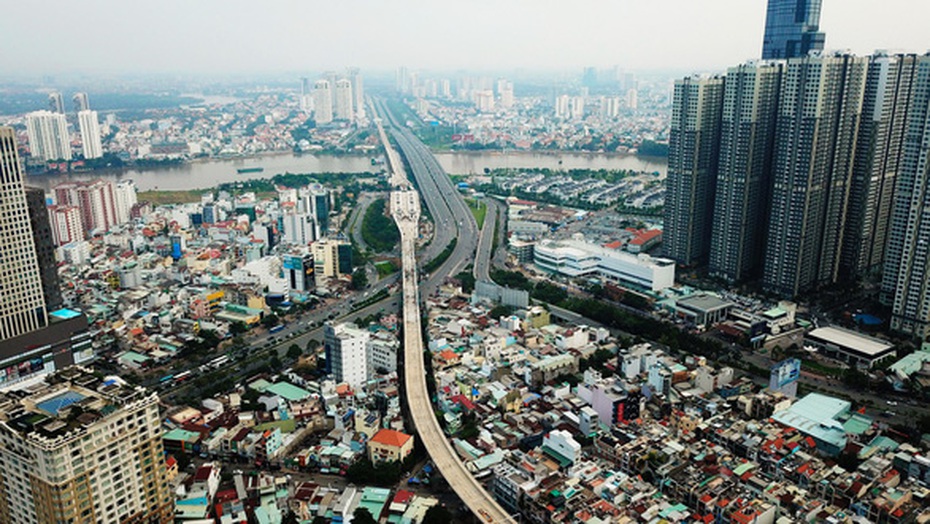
(646, 236)
(463, 400)
(389, 437)
(403, 496)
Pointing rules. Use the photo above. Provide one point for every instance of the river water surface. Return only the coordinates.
(210, 173)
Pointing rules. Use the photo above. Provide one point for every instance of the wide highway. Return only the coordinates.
(405, 208)
(450, 213)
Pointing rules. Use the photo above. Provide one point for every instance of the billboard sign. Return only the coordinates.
(785, 372)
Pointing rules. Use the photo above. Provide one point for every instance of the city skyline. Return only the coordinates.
(517, 34)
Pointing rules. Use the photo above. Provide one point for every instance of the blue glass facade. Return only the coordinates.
(792, 28)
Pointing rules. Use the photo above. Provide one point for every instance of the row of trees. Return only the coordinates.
(378, 230)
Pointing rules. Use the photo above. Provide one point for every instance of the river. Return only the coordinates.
(204, 174)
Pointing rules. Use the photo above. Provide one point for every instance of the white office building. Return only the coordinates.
(382, 353)
(48, 136)
(577, 258)
(347, 353)
(299, 228)
(90, 134)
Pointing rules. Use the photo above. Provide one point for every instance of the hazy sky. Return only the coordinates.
(242, 36)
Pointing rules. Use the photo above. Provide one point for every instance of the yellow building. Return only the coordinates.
(330, 257)
(537, 317)
(389, 446)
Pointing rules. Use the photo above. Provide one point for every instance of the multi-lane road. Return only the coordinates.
(405, 207)
(482, 270)
(451, 216)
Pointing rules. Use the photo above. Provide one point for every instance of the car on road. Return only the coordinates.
(891, 402)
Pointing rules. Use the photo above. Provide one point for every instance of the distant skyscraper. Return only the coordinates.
(56, 103)
(322, 102)
(817, 125)
(576, 107)
(81, 102)
(22, 303)
(792, 28)
(744, 175)
(48, 136)
(484, 101)
(343, 108)
(879, 152)
(306, 95)
(446, 88)
(632, 99)
(505, 91)
(906, 283)
(45, 247)
(355, 76)
(90, 133)
(402, 80)
(610, 107)
(561, 106)
(694, 144)
(589, 77)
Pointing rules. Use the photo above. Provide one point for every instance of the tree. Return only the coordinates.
(290, 518)
(312, 345)
(270, 320)
(274, 362)
(468, 281)
(359, 279)
(500, 310)
(548, 292)
(294, 352)
(363, 516)
(437, 514)
(237, 328)
(855, 379)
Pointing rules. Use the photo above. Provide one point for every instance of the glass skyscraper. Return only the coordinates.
(792, 28)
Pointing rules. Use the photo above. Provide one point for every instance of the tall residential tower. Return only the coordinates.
(906, 282)
(48, 135)
(815, 143)
(322, 102)
(747, 140)
(878, 159)
(90, 134)
(692, 168)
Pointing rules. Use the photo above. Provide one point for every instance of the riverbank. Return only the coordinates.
(206, 173)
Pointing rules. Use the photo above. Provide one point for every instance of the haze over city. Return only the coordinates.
(233, 37)
(422, 262)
